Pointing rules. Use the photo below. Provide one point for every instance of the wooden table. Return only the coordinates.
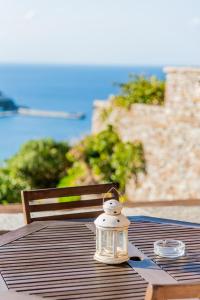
(54, 259)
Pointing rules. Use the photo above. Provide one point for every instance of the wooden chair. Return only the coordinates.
(31, 205)
(173, 291)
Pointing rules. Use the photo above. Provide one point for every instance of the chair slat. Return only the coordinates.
(66, 205)
(83, 215)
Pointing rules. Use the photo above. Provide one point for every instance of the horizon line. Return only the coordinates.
(95, 64)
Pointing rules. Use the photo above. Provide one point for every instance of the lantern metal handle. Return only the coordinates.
(111, 189)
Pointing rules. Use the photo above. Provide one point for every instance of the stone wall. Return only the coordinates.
(182, 86)
(170, 135)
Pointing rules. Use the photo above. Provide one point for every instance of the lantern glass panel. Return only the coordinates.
(107, 242)
(122, 242)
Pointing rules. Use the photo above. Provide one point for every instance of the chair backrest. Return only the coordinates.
(173, 291)
(36, 209)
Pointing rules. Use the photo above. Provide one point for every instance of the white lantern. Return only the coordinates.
(112, 234)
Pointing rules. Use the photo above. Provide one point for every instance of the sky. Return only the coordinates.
(101, 32)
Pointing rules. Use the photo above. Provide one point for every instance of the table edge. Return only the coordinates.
(163, 221)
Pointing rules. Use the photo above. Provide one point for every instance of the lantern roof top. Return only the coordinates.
(110, 221)
(112, 216)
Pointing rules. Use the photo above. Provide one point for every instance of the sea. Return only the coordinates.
(69, 88)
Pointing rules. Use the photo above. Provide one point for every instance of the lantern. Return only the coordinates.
(112, 234)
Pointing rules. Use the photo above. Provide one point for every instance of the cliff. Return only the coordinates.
(170, 135)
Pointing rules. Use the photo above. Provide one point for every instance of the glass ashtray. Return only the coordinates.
(169, 248)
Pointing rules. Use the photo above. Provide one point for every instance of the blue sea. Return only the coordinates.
(60, 88)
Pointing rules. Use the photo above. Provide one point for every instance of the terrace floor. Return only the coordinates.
(182, 213)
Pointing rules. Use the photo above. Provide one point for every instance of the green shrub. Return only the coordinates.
(10, 188)
(104, 158)
(141, 90)
(40, 163)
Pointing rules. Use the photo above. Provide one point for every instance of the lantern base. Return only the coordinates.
(110, 260)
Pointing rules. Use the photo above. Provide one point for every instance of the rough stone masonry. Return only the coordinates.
(170, 135)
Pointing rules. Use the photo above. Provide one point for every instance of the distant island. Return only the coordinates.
(7, 104)
(9, 107)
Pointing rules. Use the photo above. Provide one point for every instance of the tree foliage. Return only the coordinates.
(38, 164)
(10, 187)
(140, 90)
(104, 158)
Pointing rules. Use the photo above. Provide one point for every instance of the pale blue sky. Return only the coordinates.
(127, 32)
